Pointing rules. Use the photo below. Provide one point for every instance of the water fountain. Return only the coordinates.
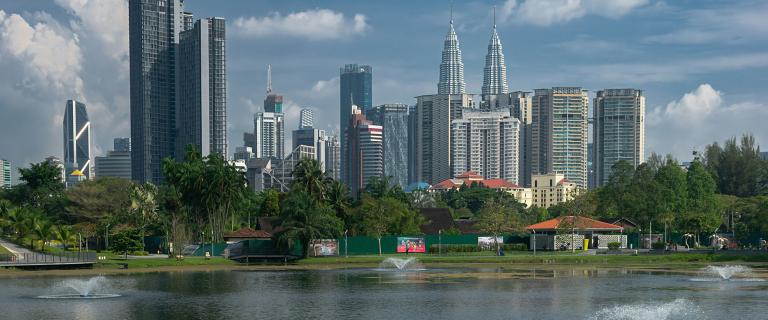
(727, 273)
(84, 289)
(677, 309)
(397, 264)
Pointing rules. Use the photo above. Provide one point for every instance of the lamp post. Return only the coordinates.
(79, 242)
(440, 242)
(106, 237)
(346, 244)
(534, 241)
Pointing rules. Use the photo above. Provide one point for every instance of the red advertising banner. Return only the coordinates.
(411, 245)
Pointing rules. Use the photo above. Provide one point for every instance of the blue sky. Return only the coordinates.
(703, 64)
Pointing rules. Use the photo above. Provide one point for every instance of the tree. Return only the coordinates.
(98, 199)
(702, 205)
(672, 191)
(308, 175)
(338, 199)
(144, 207)
(303, 218)
(375, 219)
(421, 198)
(41, 188)
(496, 219)
(44, 231)
(65, 234)
(270, 205)
(126, 241)
(387, 215)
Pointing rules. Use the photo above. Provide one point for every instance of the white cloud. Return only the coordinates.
(701, 117)
(550, 12)
(326, 88)
(50, 56)
(315, 24)
(729, 25)
(105, 20)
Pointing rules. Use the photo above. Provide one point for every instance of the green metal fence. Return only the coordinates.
(362, 245)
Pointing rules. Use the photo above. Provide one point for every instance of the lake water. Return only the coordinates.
(511, 293)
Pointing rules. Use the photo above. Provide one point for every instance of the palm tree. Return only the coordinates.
(308, 175)
(66, 235)
(144, 206)
(15, 219)
(338, 199)
(44, 231)
(304, 218)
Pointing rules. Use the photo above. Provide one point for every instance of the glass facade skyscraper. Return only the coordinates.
(154, 27)
(355, 87)
(394, 120)
(77, 139)
(202, 88)
(5, 174)
(619, 130)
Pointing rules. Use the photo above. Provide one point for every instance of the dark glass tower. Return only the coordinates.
(154, 27)
(355, 87)
(394, 120)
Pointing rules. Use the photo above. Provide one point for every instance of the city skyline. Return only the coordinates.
(704, 88)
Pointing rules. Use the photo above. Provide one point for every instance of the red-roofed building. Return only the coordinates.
(561, 232)
(523, 195)
(247, 234)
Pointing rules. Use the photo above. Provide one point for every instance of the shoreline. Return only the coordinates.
(669, 264)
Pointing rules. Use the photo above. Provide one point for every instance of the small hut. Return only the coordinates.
(569, 232)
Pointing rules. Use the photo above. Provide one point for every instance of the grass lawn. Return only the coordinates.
(114, 262)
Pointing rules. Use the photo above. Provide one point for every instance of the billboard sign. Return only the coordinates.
(411, 245)
(323, 247)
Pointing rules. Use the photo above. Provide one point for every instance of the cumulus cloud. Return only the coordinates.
(105, 20)
(550, 12)
(729, 24)
(701, 117)
(315, 24)
(326, 88)
(51, 58)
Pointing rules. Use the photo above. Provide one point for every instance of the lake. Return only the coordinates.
(478, 293)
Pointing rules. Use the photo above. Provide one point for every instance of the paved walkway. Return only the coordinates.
(17, 250)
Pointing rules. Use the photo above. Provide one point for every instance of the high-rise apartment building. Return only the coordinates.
(619, 130)
(201, 114)
(412, 126)
(486, 143)
(117, 162)
(306, 118)
(333, 157)
(5, 174)
(314, 138)
(269, 130)
(154, 28)
(559, 133)
(77, 140)
(394, 119)
(434, 115)
(355, 88)
(365, 153)
(518, 105)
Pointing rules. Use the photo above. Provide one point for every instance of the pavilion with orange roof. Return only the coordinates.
(567, 231)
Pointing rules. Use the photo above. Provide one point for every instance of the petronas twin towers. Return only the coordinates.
(452, 69)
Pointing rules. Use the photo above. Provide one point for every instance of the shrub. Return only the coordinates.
(659, 245)
(515, 247)
(614, 245)
(453, 248)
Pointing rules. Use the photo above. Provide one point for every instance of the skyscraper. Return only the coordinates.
(306, 118)
(314, 138)
(77, 139)
(269, 129)
(202, 89)
(333, 157)
(366, 154)
(619, 130)
(154, 28)
(434, 114)
(518, 105)
(486, 143)
(355, 87)
(394, 119)
(451, 67)
(559, 133)
(5, 174)
(412, 144)
(273, 102)
(495, 71)
(117, 163)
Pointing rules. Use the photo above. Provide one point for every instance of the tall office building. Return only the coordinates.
(314, 138)
(77, 139)
(154, 28)
(366, 154)
(495, 71)
(273, 102)
(434, 115)
(451, 67)
(559, 133)
(201, 115)
(486, 143)
(269, 130)
(306, 118)
(412, 126)
(243, 154)
(619, 130)
(5, 174)
(394, 119)
(355, 87)
(117, 162)
(333, 157)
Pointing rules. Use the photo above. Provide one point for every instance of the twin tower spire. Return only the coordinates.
(452, 69)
